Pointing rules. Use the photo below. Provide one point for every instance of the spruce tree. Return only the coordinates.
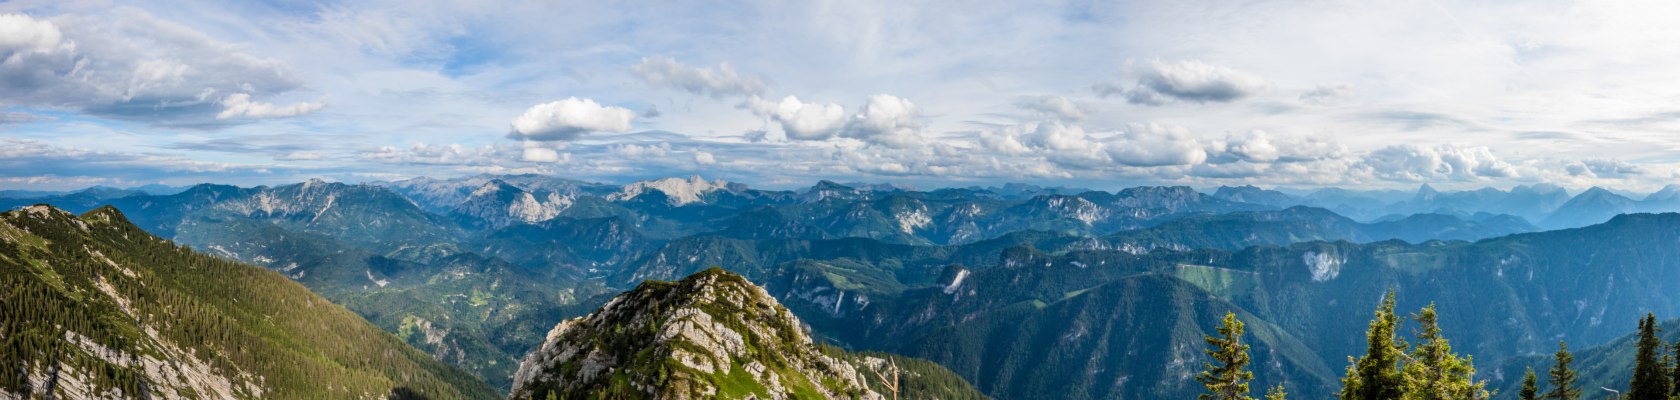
(1650, 375)
(1530, 389)
(1562, 377)
(1376, 375)
(1434, 372)
(1276, 393)
(1674, 371)
(1229, 379)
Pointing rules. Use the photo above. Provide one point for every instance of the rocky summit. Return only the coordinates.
(710, 335)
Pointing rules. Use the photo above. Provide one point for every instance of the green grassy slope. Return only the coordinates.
(96, 307)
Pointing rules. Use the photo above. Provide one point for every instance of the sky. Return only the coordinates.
(776, 94)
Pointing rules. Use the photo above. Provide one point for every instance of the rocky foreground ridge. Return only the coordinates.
(710, 335)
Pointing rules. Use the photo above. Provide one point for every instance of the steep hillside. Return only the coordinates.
(1607, 366)
(710, 335)
(1080, 325)
(97, 308)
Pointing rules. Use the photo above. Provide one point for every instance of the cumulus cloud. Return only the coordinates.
(1252, 146)
(636, 151)
(1258, 146)
(127, 64)
(539, 154)
(887, 120)
(1154, 145)
(569, 119)
(1415, 163)
(1063, 144)
(1160, 82)
(717, 82)
(1053, 106)
(800, 120)
(1139, 145)
(240, 105)
(21, 33)
(704, 158)
(1603, 168)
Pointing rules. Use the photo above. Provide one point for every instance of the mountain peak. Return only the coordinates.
(1599, 194)
(828, 184)
(678, 191)
(1426, 192)
(494, 186)
(1667, 193)
(710, 335)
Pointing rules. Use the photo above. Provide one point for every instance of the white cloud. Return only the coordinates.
(1185, 80)
(1063, 144)
(886, 120)
(1053, 106)
(539, 154)
(1603, 168)
(128, 64)
(1415, 163)
(37, 163)
(635, 151)
(569, 119)
(1154, 145)
(300, 156)
(704, 158)
(1252, 146)
(800, 120)
(718, 82)
(433, 154)
(240, 105)
(24, 34)
(1139, 145)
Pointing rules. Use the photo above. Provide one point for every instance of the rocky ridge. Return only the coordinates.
(710, 335)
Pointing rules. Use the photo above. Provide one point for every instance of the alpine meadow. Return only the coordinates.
(870, 200)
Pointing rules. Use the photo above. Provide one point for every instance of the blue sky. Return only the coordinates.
(777, 94)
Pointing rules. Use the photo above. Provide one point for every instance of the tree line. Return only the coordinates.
(1393, 369)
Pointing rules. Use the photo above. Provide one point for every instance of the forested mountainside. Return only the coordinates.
(98, 308)
(1601, 369)
(713, 335)
(1505, 297)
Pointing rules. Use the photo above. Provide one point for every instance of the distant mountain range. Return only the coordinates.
(1022, 290)
(1546, 206)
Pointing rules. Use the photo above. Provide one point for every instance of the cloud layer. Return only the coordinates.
(718, 82)
(1092, 94)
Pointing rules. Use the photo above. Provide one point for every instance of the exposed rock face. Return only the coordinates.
(678, 191)
(710, 335)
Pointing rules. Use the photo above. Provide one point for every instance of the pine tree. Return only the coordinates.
(1276, 393)
(1229, 379)
(1674, 371)
(1562, 377)
(1530, 389)
(1650, 375)
(1376, 376)
(1434, 372)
